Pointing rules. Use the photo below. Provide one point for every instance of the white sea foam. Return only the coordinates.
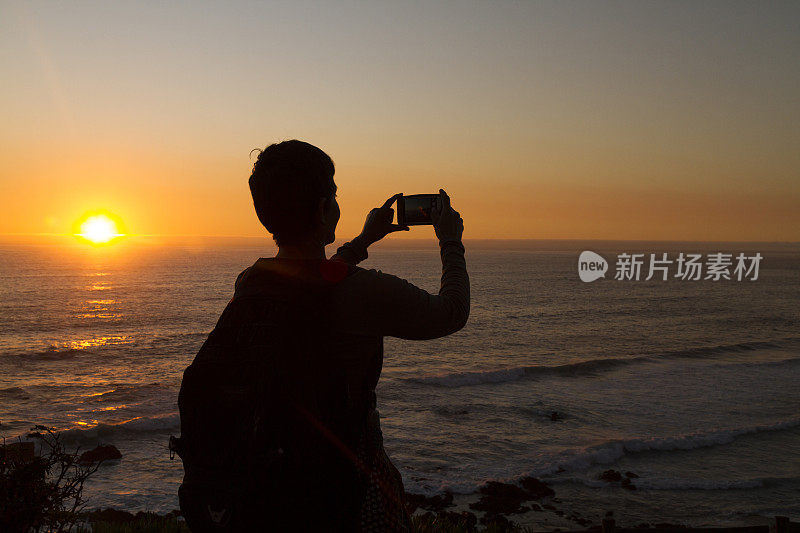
(580, 460)
(611, 451)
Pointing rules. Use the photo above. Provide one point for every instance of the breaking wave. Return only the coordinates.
(611, 451)
(588, 368)
(577, 461)
(165, 422)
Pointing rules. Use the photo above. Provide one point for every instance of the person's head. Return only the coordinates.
(294, 193)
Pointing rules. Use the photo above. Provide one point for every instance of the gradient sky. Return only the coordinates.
(608, 120)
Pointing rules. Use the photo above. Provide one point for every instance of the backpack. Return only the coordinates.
(268, 421)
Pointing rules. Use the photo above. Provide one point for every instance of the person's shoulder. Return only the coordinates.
(360, 273)
(241, 276)
(373, 279)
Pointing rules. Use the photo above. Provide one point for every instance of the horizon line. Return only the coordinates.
(573, 239)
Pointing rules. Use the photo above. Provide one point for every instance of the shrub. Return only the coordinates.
(44, 492)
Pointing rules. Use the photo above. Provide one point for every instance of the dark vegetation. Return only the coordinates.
(41, 492)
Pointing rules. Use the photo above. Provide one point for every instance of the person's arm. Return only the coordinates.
(382, 304)
(375, 303)
(377, 226)
(352, 252)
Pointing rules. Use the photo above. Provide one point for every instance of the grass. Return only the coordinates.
(160, 524)
(149, 524)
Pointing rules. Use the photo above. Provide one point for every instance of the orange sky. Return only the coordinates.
(669, 121)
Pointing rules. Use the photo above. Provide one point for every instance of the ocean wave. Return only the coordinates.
(13, 392)
(96, 345)
(503, 375)
(707, 484)
(142, 424)
(645, 483)
(611, 451)
(126, 391)
(69, 349)
(705, 351)
(574, 463)
(51, 353)
(781, 362)
(594, 366)
(105, 432)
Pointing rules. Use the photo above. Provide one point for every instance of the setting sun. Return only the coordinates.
(99, 229)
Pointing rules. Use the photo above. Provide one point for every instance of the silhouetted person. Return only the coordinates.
(278, 419)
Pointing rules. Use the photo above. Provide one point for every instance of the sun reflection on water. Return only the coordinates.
(93, 394)
(98, 341)
(100, 315)
(100, 308)
(113, 407)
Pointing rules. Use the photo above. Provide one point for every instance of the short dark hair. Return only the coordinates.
(287, 182)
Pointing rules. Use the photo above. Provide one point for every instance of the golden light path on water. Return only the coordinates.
(95, 342)
(104, 307)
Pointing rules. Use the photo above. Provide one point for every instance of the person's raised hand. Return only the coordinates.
(447, 223)
(379, 222)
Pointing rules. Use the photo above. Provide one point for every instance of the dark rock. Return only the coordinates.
(503, 490)
(560, 469)
(627, 484)
(631, 475)
(549, 507)
(535, 488)
(585, 522)
(536, 507)
(559, 512)
(429, 503)
(643, 525)
(667, 525)
(611, 475)
(554, 416)
(501, 498)
(99, 454)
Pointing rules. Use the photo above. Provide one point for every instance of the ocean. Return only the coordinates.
(691, 385)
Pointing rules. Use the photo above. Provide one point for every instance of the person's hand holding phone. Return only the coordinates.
(379, 222)
(447, 223)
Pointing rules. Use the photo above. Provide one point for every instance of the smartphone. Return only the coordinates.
(415, 209)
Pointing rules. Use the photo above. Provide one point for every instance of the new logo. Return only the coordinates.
(591, 266)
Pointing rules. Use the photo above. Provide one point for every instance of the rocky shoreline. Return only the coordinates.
(528, 502)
